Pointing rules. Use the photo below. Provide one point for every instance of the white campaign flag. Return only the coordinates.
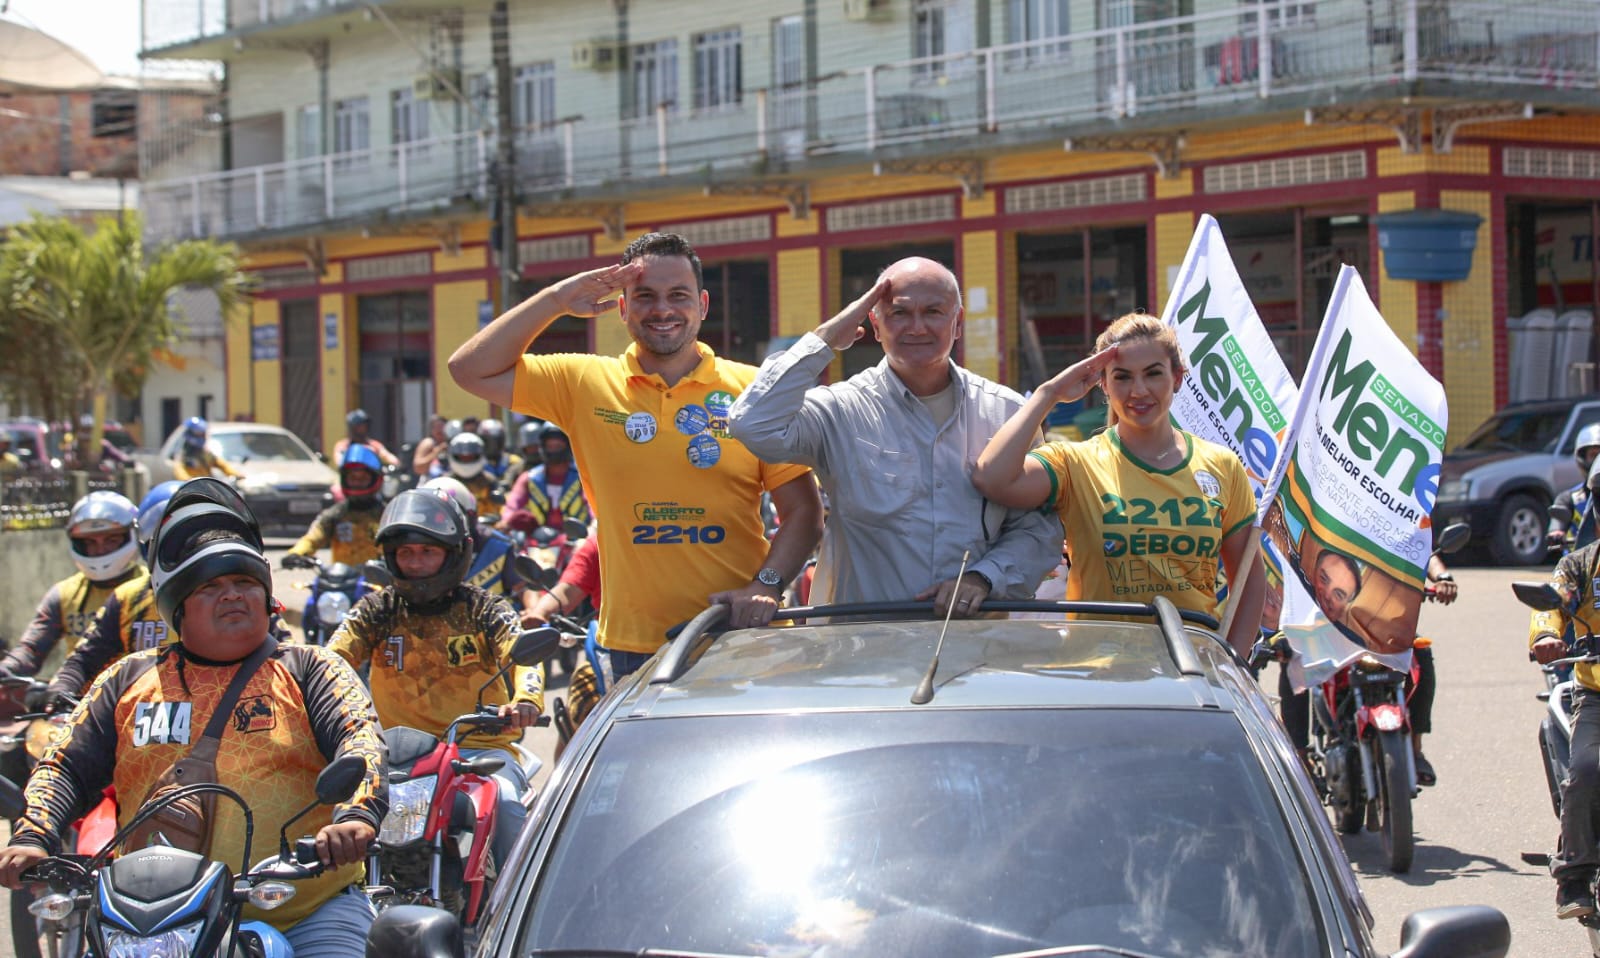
(1351, 500)
(1237, 392)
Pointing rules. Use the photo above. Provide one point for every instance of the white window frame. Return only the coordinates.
(307, 131)
(718, 69)
(533, 95)
(408, 117)
(653, 71)
(352, 128)
(1034, 20)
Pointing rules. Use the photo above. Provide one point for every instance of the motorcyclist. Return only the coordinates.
(527, 455)
(213, 585)
(1571, 526)
(10, 464)
(550, 492)
(492, 551)
(1578, 860)
(466, 465)
(349, 526)
(495, 460)
(100, 536)
(194, 459)
(433, 641)
(358, 429)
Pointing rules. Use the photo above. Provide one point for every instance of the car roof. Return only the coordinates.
(1538, 405)
(853, 664)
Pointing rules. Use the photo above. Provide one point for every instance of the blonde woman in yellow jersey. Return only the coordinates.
(1148, 509)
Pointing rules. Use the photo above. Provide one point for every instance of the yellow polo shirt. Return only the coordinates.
(677, 499)
(1135, 531)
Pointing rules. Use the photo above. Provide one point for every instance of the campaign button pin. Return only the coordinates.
(704, 451)
(640, 427)
(692, 420)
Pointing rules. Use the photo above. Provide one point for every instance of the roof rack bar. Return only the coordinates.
(1183, 653)
(675, 661)
(1138, 609)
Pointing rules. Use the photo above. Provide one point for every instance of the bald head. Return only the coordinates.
(918, 321)
(919, 270)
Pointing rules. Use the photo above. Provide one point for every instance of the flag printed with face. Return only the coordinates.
(1237, 392)
(1350, 514)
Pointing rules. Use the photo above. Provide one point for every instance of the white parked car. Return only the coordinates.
(284, 481)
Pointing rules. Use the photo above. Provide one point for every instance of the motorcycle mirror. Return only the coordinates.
(544, 535)
(535, 645)
(11, 801)
(1539, 596)
(531, 647)
(1453, 538)
(574, 529)
(377, 573)
(1560, 512)
(340, 779)
(534, 573)
(415, 931)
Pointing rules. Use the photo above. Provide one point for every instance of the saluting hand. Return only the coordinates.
(849, 325)
(594, 292)
(1076, 380)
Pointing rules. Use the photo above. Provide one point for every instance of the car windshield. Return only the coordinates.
(1527, 430)
(926, 832)
(256, 446)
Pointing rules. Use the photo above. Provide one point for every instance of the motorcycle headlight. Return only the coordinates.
(173, 943)
(408, 810)
(1456, 490)
(331, 607)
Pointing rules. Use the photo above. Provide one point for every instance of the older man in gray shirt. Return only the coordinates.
(893, 447)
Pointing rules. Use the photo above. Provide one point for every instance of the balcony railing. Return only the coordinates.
(1212, 60)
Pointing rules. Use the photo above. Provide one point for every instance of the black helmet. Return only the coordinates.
(178, 566)
(493, 434)
(550, 431)
(357, 417)
(426, 517)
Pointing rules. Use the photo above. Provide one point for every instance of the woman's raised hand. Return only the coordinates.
(1075, 381)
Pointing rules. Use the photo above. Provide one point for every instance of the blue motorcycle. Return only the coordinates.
(336, 589)
(177, 904)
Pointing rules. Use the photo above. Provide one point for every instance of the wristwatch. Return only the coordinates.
(770, 578)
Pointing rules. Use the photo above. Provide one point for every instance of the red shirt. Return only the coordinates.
(583, 569)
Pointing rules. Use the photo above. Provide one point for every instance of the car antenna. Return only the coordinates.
(924, 693)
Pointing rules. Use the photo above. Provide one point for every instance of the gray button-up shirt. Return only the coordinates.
(902, 507)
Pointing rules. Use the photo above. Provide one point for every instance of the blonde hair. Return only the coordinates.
(1133, 327)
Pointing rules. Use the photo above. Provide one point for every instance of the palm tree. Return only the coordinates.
(105, 298)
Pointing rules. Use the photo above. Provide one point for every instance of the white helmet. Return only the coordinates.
(103, 512)
(466, 455)
(459, 494)
(1588, 439)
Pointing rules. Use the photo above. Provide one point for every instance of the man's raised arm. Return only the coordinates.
(486, 364)
(770, 416)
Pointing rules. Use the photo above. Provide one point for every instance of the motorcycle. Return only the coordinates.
(545, 554)
(1555, 729)
(164, 901)
(336, 589)
(1360, 750)
(24, 736)
(434, 846)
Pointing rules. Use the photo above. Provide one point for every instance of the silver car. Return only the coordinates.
(284, 481)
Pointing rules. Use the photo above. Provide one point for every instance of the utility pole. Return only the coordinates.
(505, 163)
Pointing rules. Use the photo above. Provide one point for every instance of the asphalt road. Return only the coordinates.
(1489, 808)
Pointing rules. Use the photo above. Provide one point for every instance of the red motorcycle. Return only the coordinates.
(25, 736)
(433, 847)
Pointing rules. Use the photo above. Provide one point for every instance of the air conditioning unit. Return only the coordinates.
(595, 55)
(435, 85)
(861, 10)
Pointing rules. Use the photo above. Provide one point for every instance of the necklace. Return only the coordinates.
(1165, 455)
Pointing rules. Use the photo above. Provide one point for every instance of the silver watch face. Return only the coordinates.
(769, 577)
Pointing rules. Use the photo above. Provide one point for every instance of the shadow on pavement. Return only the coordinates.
(1430, 864)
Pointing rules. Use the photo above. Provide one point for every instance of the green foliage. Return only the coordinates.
(82, 312)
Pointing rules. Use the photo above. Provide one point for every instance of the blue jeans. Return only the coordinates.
(624, 664)
(337, 929)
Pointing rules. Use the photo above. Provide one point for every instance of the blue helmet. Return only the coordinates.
(357, 458)
(195, 426)
(151, 508)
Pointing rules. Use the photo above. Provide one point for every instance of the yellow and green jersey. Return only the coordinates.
(1135, 531)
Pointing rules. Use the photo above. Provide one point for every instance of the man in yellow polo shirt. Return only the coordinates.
(677, 500)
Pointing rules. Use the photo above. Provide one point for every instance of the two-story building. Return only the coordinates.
(1056, 153)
